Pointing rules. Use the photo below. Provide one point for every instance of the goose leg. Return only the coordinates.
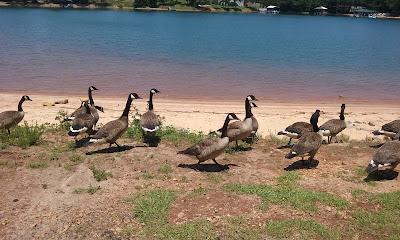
(117, 145)
(8, 130)
(237, 146)
(329, 139)
(290, 140)
(219, 165)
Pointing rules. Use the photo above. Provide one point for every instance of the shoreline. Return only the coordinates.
(206, 116)
(188, 9)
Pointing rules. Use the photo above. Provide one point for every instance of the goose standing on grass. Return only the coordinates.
(149, 121)
(333, 127)
(83, 122)
(93, 107)
(10, 119)
(113, 130)
(389, 129)
(211, 147)
(296, 130)
(240, 130)
(309, 142)
(387, 157)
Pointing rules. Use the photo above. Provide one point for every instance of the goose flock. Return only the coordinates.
(309, 135)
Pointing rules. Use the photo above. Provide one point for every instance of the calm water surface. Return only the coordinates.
(199, 55)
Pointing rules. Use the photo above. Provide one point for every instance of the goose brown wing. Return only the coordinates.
(388, 153)
(83, 120)
(149, 120)
(109, 130)
(8, 117)
(200, 147)
(334, 126)
(299, 127)
(307, 143)
(393, 126)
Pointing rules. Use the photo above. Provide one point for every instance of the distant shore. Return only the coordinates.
(207, 116)
(211, 9)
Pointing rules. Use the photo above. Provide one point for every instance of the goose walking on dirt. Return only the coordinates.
(83, 122)
(309, 143)
(387, 157)
(113, 130)
(149, 121)
(10, 119)
(211, 147)
(389, 129)
(94, 109)
(333, 127)
(240, 130)
(296, 130)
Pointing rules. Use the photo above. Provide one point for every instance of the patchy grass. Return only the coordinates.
(100, 175)
(197, 192)
(289, 194)
(300, 229)
(165, 169)
(342, 138)
(237, 228)
(76, 158)
(91, 190)
(22, 136)
(151, 208)
(54, 154)
(214, 177)
(38, 165)
(277, 140)
(147, 175)
(288, 179)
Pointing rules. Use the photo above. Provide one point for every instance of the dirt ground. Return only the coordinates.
(42, 203)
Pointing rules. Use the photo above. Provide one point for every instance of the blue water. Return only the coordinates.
(200, 54)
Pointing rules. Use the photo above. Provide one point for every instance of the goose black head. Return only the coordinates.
(101, 109)
(232, 116)
(251, 98)
(93, 88)
(26, 98)
(134, 96)
(154, 90)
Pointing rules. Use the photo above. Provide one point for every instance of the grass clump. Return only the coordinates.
(151, 208)
(300, 229)
(38, 165)
(165, 169)
(22, 136)
(277, 140)
(100, 175)
(147, 175)
(76, 158)
(91, 190)
(286, 192)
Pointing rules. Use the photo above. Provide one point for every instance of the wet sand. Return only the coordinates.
(206, 115)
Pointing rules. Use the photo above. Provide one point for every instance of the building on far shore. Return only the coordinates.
(321, 10)
(271, 9)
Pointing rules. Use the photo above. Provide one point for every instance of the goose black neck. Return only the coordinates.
(342, 114)
(90, 97)
(127, 107)
(224, 132)
(151, 101)
(314, 122)
(20, 104)
(87, 108)
(247, 106)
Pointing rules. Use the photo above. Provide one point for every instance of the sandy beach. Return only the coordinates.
(206, 115)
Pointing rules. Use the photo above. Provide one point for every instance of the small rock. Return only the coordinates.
(64, 101)
(371, 124)
(15, 200)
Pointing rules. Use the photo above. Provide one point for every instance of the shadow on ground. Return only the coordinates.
(207, 167)
(381, 176)
(302, 164)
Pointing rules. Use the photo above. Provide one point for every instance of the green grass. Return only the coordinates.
(90, 190)
(165, 169)
(76, 158)
(237, 228)
(300, 229)
(100, 175)
(288, 193)
(38, 165)
(197, 192)
(151, 208)
(54, 154)
(22, 136)
(147, 175)
(277, 140)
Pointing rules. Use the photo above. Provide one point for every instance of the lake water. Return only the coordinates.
(200, 55)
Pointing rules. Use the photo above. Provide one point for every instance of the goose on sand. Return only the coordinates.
(295, 130)
(83, 122)
(389, 129)
(149, 121)
(10, 119)
(333, 127)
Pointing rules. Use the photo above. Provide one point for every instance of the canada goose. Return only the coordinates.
(10, 119)
(309, 142)
(93, 107)
(296, 130)
(254, 125)
(211, 147)
(149, 121)
(240, 130)
(83, 122)
(387, 157)
(113, 130)
(389, 129)
(333, 127)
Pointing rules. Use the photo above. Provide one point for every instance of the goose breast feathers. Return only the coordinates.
(208, 148)
(10, 118)
(308, 142)
(112, 130)
(334, 126)
(388, 153)
(149, 121)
